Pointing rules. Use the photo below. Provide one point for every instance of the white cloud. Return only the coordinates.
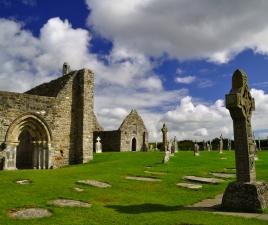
(185, 80)
(125, 82)
(212, 30)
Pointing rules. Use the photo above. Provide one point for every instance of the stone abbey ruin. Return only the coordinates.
(54, 124)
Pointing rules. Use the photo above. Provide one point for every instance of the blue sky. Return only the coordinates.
(171, 60)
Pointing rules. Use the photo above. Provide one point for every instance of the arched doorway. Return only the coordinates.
(28, 140)
(134, 145)
(25, 150)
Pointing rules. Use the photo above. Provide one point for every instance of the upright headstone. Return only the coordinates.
(98, 146)
(221, 144)
(255, 147)
(259, 140)
(229, 144)
(196, 149)
(166, 156)
(245, 193)
(204, 145)
(156, 146)
(208, 146)
(170, 148)
(164, 139)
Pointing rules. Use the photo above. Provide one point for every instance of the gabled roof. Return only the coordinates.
(132, 116)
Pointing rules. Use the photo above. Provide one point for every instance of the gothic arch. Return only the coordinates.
(28, 141)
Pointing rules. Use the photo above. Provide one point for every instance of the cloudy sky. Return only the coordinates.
(171, 60)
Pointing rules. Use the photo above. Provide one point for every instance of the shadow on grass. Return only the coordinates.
(148, 208)
(143, 208)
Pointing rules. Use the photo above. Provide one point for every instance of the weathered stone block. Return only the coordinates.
(245, 196)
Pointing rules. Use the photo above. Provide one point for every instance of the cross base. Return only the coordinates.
(240, 196)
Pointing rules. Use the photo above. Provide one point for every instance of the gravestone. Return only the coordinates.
(196, 149)
(170, 148)
(174, 145)
(259, 144)
(245, 193)
(221, 144)
(166, 156)
(98, 146)
(229, 144)
(164, 139)
(208, 147)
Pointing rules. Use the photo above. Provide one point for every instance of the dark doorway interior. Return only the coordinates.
(25, 151)
(134, 145)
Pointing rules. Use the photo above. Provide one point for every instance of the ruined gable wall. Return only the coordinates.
(133, 127)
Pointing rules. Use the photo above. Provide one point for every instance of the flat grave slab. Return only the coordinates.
(29, 213)
(94, 183)
(69, 203)
(189, 186)
(79, 189)
(206, 180)
(148, 179)
(22, 182)
(155, 172)
(223, 175)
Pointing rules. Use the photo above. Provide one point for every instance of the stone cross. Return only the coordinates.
(98, 145)
(245, 193)
(221, 144)
(240, 104)
(165, 140)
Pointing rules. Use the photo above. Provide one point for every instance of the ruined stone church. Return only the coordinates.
(51, 125)
(132, 135)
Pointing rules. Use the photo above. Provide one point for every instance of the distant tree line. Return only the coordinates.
(188, 145)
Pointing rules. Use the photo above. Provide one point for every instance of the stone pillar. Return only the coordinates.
(245, 193)
(10, 157)
(50, 156)
(164, 139)
(45, 155)
(35, 155)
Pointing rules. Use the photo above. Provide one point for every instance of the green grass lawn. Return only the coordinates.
(127, 201)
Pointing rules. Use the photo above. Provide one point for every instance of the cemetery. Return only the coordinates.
(169, 185)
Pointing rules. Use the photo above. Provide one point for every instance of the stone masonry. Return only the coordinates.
(132, 135)
(50, 125)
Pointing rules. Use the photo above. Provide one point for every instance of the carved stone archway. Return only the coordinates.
(28, 142)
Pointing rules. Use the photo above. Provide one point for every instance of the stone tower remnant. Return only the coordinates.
(245, 193)
(66, 68)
